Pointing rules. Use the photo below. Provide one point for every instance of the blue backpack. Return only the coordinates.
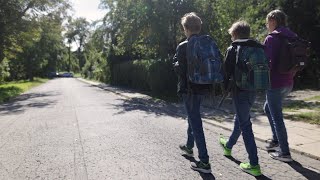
(252, 69)
(204, 61)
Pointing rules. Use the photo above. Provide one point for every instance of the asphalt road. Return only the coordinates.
(66, 129)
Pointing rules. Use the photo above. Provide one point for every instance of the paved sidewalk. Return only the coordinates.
(304, 138)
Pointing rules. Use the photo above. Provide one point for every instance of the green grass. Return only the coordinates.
(309, 117)
(12, 89)
(301, 105)
(314, 98)
(77, 75)
(312, 117)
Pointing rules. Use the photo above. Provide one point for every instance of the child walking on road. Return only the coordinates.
(192, 95)
(243, 98)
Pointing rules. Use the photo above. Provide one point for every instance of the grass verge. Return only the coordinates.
(307, 110)
(77, 75)
(314, 98)
(309, 117)
(10, 90)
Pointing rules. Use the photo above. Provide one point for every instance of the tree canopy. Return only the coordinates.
(36, 35)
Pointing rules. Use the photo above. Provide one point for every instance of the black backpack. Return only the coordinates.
(294, 54)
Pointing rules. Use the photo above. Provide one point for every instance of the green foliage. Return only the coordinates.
(13, 89)
(156, 76)
(15, 15)
(162, 78)
(146, 29)
(132, 74)
(8, 92)
(307, 110)
(32, 43)
(31, 36)
(315, 98)
(296, 105)
(4, 70)
(304, 19)
(140, 75)
(96, 66)
(310, 117)
(78, 31)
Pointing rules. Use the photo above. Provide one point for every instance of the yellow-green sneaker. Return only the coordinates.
(253, 170)
(223, 143)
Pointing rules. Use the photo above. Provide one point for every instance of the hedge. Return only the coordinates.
(155, 76)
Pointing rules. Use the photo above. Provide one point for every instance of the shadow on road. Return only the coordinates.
(149, 106)
(233, 159)
(191, 159)
(22, 102)
(204, 176)
(308, 173)
(262, 177)
(207, 176)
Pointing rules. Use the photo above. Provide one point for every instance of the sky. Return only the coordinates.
(88, 9)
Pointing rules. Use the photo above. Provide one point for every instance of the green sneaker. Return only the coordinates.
(223, 143)
(253, 170)
(201, 167)
(187, 151)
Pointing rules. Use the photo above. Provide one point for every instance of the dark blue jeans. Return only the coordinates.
(273, 109)
(195, 129)
(243, 101)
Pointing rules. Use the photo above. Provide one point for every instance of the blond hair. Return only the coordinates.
(240, 29)
(279, 16)
(191, 22)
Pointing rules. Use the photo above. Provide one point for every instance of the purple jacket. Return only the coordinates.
(272, 49)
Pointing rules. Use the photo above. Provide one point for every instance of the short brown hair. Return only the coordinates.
(241, 29)
(279, 16)
(191, 22)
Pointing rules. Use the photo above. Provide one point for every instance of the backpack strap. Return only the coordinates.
(237, 54)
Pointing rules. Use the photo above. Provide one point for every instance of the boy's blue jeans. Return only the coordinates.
(243, 101)
(273, 109)
(195, 129)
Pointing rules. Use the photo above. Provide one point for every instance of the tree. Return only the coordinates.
(304, 19)
(14, 13)
(28, 28)
(78, 31)
(50, 46)
(150, 29)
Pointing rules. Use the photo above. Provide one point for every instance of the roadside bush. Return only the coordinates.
(122, 74)
(4, 70)
(155, 76)
(309, 78)
(163, 81)
(102, 72)
(133, 74)
(96, 67)
(141, 75)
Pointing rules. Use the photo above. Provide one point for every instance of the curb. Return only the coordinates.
(207, 121)
(211, 122)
